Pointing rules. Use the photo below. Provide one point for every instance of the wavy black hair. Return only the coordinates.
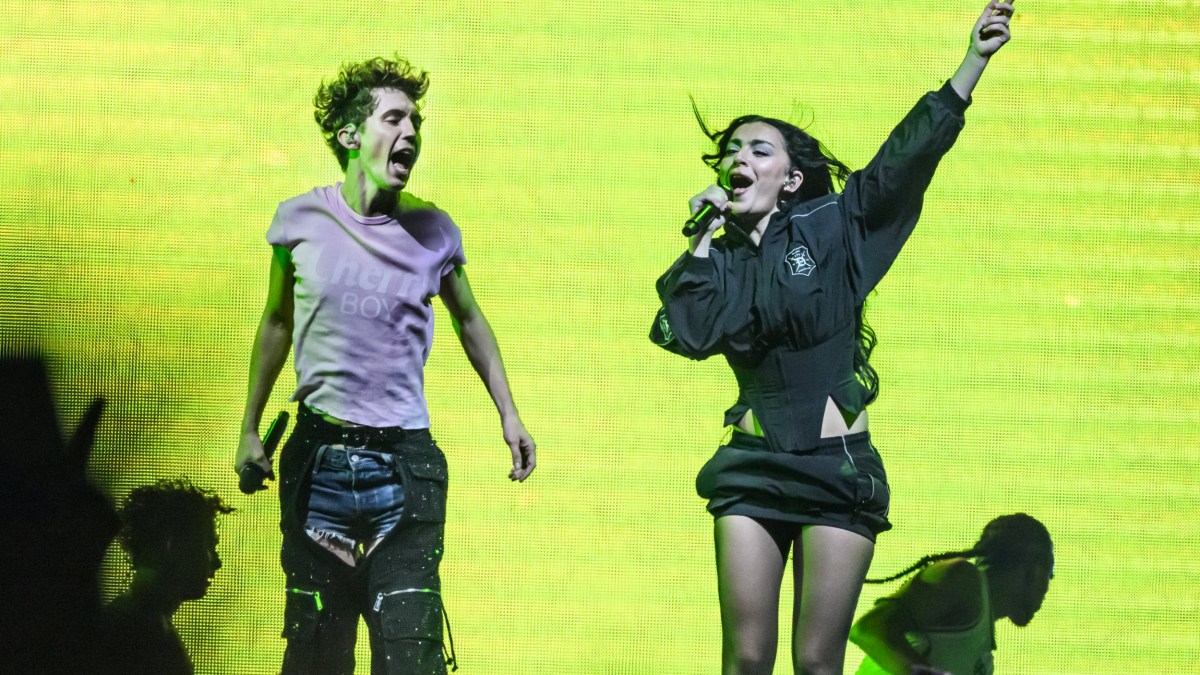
(350, 99)
(823, 174)
(807, 154)
(1008, 541)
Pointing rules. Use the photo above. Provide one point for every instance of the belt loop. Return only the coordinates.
(320, 455)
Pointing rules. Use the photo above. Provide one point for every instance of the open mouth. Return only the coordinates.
(403, 158)
(738, 183)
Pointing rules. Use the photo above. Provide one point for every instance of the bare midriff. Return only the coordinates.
(834, 423)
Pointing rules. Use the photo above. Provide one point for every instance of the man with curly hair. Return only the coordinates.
(169, 531)
(362, 483)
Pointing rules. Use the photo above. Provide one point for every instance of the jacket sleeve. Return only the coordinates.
(882, 202)
(700, 313)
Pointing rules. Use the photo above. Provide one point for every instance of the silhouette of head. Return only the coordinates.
(170, 530)
(1017, 553)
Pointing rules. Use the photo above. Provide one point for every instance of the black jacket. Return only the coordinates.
(783, 313)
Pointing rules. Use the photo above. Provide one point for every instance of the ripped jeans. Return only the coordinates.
(359, 485)
(354, 498)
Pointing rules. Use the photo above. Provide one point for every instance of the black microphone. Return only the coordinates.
(701, 219)
(252, 478)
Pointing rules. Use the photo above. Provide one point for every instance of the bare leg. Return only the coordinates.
(750, 563)
(829, 569)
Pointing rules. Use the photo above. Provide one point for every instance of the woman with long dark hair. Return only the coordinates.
(780, 296)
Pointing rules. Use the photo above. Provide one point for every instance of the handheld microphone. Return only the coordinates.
(701, 219)
(252, 478)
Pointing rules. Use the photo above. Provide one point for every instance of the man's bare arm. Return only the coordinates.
(272, 342)
(479, 343)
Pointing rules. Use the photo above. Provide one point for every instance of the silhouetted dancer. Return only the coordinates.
(169, 532)
(56, 528)
(942, 620)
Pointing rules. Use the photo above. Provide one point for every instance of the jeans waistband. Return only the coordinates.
(359, 436)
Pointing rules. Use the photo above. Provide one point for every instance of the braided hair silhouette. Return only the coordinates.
(1011, 540)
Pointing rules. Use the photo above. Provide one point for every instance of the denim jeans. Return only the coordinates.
(396, 487)
(356, 494)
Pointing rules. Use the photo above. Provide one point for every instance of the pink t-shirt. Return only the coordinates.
(363, 318)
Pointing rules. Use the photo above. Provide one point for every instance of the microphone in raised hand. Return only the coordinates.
(703, 218)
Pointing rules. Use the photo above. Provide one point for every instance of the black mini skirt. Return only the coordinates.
(840, 483)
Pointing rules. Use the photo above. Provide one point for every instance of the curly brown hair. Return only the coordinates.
(350, 97)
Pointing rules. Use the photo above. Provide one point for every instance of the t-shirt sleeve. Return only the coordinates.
(277, 232)
(457, 256)
(882, 201)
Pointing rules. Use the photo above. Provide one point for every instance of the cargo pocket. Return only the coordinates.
(873, 494)
(425, 494)
(301, 614)
(410, 622)
(410, 615)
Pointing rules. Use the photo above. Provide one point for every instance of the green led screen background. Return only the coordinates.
(1038, 335)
